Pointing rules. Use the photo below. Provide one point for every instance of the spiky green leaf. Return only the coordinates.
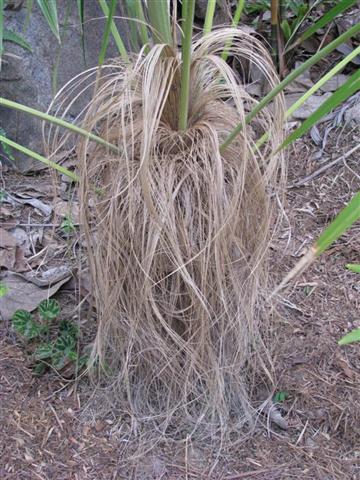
(351, 86)
(328, 17)
(49, 10)
(13, 37)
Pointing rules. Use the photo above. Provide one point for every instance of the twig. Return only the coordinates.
(322, 169)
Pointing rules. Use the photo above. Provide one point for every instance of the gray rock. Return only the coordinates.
(32, 78)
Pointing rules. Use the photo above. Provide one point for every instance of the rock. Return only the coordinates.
(28, 77)
(334, 83)
(352, 115)
(307, 108)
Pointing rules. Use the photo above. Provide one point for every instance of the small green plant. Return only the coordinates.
(67, 225)
(354, 335)
(3, 289)
(280, 397)
(52, 345)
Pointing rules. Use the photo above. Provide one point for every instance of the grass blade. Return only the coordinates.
(351, 86)
(57, 121)
(353, 267)
(343, 221)
(49, 10)
(10, 36)
(106, 37)
(159, 16)
(39, 157)
(81, 11)
(234, 23)
(114, 31)
(1, 28)
(351, 337)
(139, 15)
(328, 17)
(209, 17)
(188, 16)
(291, 77)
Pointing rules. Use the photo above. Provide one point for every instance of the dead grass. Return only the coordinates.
(178, 237)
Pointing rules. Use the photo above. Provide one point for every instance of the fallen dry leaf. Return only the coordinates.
(23, 294)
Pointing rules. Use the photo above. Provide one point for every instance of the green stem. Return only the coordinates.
(42, 159)
(275, 91)
(106, 37)
(188, 10)
(118, 41)
(210, 10)
(57, 121)
(234, 23)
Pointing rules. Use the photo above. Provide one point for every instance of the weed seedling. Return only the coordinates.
(53, 344)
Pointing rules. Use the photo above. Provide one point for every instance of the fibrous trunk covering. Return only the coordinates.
(178, 233)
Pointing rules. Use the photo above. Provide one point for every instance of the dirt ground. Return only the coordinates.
(45, 434)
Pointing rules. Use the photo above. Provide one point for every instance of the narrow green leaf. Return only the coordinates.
(188, 10)
(353, 267)
(234, 23)
(49, 10)
(1, 28)
(10, 36)
(133, 26)
(7, 150)
(353, 336)
(159, 17)
(42, 159)
(351, 86)
(343, 221)
(114, 31)
(210, 10)
(139, 15)
(328, 76)
(57, 121)
(328, 17)
(106, 37)
(290, 78)
(285, 27)
(81, 11)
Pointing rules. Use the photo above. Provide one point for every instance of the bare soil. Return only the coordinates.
(47, 432)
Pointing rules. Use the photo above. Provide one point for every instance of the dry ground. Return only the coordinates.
(47, 433)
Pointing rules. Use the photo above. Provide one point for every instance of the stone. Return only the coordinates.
(32, 77)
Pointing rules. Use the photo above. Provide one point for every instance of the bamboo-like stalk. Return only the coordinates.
(57, 121)
(118, 40)
(188, 10)
(209, 17)
(291, 77)
(39, 157)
